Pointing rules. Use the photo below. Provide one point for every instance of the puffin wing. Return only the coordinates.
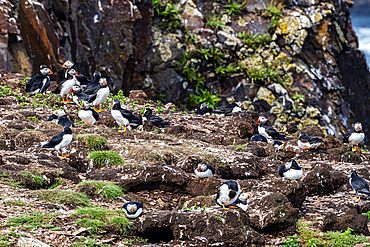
(211, 168)
(273, 132)
(346, 137)
(95, 115)
(54, 141)
(281, 170)
(359, 183)
(314, 139)
(46, 86)
(82, 79)
(157, 121)
(92, 87)
(34, 83)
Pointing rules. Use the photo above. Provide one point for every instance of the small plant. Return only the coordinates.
(107, 158)
(273, 10)
(93, 141)
(15, 203)
(32, 118)
(120, 95)
(204, 96)
(109, 191)
(64, 196)
(215, 22)
(239, 147)
(234, 8)
(292, 241)
(160, 109)
(24, 81)
(298, 97)
(33, 219)
(6, 91)
(173, 109)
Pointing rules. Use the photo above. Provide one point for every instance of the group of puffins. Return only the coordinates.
(89, 95)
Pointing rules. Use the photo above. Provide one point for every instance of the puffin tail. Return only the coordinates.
(364, 191)
(47, 145)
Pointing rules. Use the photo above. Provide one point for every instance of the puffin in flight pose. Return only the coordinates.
(267, 131)
(228, 108)
(79, 96)
(124, 117)
(102, 94)
(80, 78)
(40, 82)
(157, 121)
(242, 202)
(60, 141)
(65, 87)
(60, 117)
(308, 142)
(359, 185)
(228, 193)
(132, 209)
(87, 113)
(203, 110)
(291, 170)
(204, 171)
(354, 137)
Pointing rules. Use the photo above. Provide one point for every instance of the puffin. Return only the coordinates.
(204, 171)
(268, 131)
(228, 193)
(80, 78)
(132, 209)
(203, 110)
(60, 141)
(79, 96)
(242, 202)
(228, 108)
(88, 114)
(156, 121)
(102, 94)
(124, 117)
(65, 87)
(93, 86)
(354, 137)
(62, 118)
(359, 185)
(40, 82)
(308, 142)
(291, 170)
(258, 138)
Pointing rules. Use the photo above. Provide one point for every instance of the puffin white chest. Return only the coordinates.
(224, 196)
(262, 131)
(293, 174)
(237, 109)
(102, 95)
(65, 141)
(205, 174)
(356, 138)
(66, 87)
(119, 118)
(86, 116)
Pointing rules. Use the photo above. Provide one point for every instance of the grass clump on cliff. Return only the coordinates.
(98, 217)
(64, 196)
(234, 8)
(310, 237)
(109, 191)
(274, 11)
(92, 141)
(32, 220)
(107, 158)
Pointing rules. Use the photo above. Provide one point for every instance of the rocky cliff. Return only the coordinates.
(294, 61)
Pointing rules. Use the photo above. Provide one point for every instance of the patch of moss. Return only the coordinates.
(108, 158)
(92, 141)
(109, 191)
(64, 196)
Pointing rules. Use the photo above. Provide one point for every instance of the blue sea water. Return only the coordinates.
(361, 25)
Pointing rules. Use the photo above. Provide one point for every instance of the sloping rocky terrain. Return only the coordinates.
(39, 198)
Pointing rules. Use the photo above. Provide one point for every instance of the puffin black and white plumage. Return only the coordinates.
(228, 193)
(359, 185)
(94, 85)
(88, 114)
(65, 87)
(102, 94)
(61, 118)
(80, 78)
(60, 141)
(354, 137)
(40, 82)
(204, 171)
(291, 170)
(124, 117)
(242, 201)
(203, 110)
(79, 96)
(132, 209)
(258, 138)
(308, 142)
(156, 121)
(267, 131)
(228, 108)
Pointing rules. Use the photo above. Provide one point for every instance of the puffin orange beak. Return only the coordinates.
(70, 91)
(198, 169)
(249, 196)
(50, 72)
(258, 121)
(242, 105)
(64, 65)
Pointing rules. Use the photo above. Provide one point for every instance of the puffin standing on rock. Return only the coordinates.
(291, 170)
(80, 78)
(228, 108)
(87, 114)
(267, 131)
(308, 142)
(203, 110)
(102, 94)
(242, 202)
(60, 117)
(65, 87)
(124, 117)
(132, 209)
(156, 121)
(204, 171)
(359, 185)
(227, 194)
(354, 137)
(60, 141)
(78, 95)
(40, 82)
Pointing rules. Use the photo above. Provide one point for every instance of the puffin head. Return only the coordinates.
(353, 173)
(261, 119)
(203, 106)
(103, 82)
(96, 75)
(245, 196)
(61, 112)
(68, 64)
(45, 70)
(358, 126)
(302, 134)
(72, 72)
(201, 167)
(84, 105)
(125, 106)
(131, 208)
(147, 112)
(76, 89)
(116, 101)
(239, 104)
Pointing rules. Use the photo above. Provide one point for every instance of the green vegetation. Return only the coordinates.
(109, 190)
(107, 158)
(265, 74)
(32, 118)
(255, 41)
(298, 97)
(6, 91)
(238, 147)
(64, 196)
(168, 13)
(203, 96)
(234, 8)
(85, 242)
(4, 240)
(309, 237)
(98, 217)
(119, 96)
(160, 109)
(215, 22)
(11, 182)
(39, 181)
(92, 141)
(273, 10)
(15, 203)
(33, 220)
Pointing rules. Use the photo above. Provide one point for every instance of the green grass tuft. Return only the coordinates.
(64, 196)
(34, 219)
(15, 203)
(92, 141)
(108, 158)
(109, 191)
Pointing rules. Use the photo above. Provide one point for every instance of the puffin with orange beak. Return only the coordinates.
(79, 96)
(228, 108)
(65, 87)
(227, 194)
(102, 94)
(40, 82)
(87, 113)
(204, 171)
(267, 131)
(242, 202)
(80, 78)
(354, 137)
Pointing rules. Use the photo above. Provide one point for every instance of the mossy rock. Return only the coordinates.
(93, 141)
